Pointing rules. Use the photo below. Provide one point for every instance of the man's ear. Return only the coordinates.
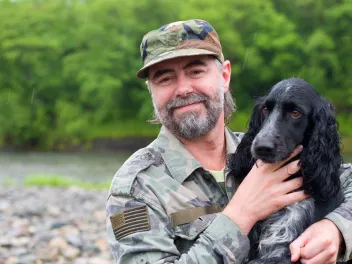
(148, 86)
(226, 74)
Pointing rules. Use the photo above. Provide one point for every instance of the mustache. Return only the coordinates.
(190, 99)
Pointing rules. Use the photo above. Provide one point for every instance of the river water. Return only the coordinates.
(92, 167)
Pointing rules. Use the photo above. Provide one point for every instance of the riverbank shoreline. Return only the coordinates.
(112, 145)
(53, 225)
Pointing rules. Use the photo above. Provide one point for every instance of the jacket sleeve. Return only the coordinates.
(342, 216)
(217, 239)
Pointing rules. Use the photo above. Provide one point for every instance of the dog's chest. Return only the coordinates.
(283, 227)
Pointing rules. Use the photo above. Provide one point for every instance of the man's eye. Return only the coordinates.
(197, 72)
(164, 80)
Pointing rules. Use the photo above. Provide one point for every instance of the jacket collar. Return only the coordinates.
(179, 160)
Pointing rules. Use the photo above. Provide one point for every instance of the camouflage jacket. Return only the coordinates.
(163, 207)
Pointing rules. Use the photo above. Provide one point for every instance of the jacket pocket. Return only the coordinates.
(187, 234)
(190, 231)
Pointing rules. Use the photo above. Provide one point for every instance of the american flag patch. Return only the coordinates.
(130, 221)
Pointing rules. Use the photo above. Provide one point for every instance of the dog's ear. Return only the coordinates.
(321, 158)
(242, 161)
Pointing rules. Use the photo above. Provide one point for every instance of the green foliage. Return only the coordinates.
(67, 68)
(8, 182)
(124, 129)
(48, 180)
(62, 181)
(239, 121)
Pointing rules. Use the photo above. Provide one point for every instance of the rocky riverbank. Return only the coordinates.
(53, 225)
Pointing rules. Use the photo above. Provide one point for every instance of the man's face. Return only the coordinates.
(188, 94)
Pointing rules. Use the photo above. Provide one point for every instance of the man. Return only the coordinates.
(172, 201)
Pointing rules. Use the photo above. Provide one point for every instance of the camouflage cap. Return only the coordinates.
(179, 39)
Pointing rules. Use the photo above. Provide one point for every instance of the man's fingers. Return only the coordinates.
(293, 197)
(320, 258)
(291, 185)
(276, 166)
(295, 247)
(312, 249)
(288, 170)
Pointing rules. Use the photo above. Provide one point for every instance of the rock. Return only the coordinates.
(54, 211)
(58, 242)
(58, 224)
(41, 225)
(20, 223)
(12, 260)
(90, 250)
(61, 260)
(19, 251)
(30, 209)
(102, 244)
(20, 227)
(47, 254)
(5, 242)
(41, 238)
(100, 216)
(74, 240)
(69, 230)
(4, 206)
(70, 252)
(32, 229)
(81, 261)
(4, 254)
(29, 258)
(20, 241)
(99, 261)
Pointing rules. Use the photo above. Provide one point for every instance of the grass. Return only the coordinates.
(8, 182)
(126, 129)
(63, 181)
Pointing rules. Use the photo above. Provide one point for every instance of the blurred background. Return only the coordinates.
(72, 110)
(70, 104)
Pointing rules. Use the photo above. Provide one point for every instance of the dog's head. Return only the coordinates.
(285, 116)
(293, 114)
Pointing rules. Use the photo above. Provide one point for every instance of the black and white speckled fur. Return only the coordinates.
(272, 135)
(283, 227)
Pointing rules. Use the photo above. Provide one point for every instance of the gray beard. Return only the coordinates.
(190, 125)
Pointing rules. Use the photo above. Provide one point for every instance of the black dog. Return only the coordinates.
(292, 114)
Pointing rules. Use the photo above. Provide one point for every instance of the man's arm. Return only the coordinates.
(152, 239)
(140, 229)
(342, 216)
(329, 246)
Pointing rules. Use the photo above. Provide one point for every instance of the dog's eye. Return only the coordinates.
(295, 114)
(265, 110)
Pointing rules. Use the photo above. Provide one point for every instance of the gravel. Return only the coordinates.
(53, 225)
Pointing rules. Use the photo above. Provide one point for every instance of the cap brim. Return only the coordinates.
(142, 73)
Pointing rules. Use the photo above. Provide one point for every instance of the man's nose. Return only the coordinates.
(184, 86)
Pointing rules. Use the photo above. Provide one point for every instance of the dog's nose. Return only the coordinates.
(264, 149)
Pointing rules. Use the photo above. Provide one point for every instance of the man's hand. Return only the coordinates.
(319, 244)
(264, 191)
